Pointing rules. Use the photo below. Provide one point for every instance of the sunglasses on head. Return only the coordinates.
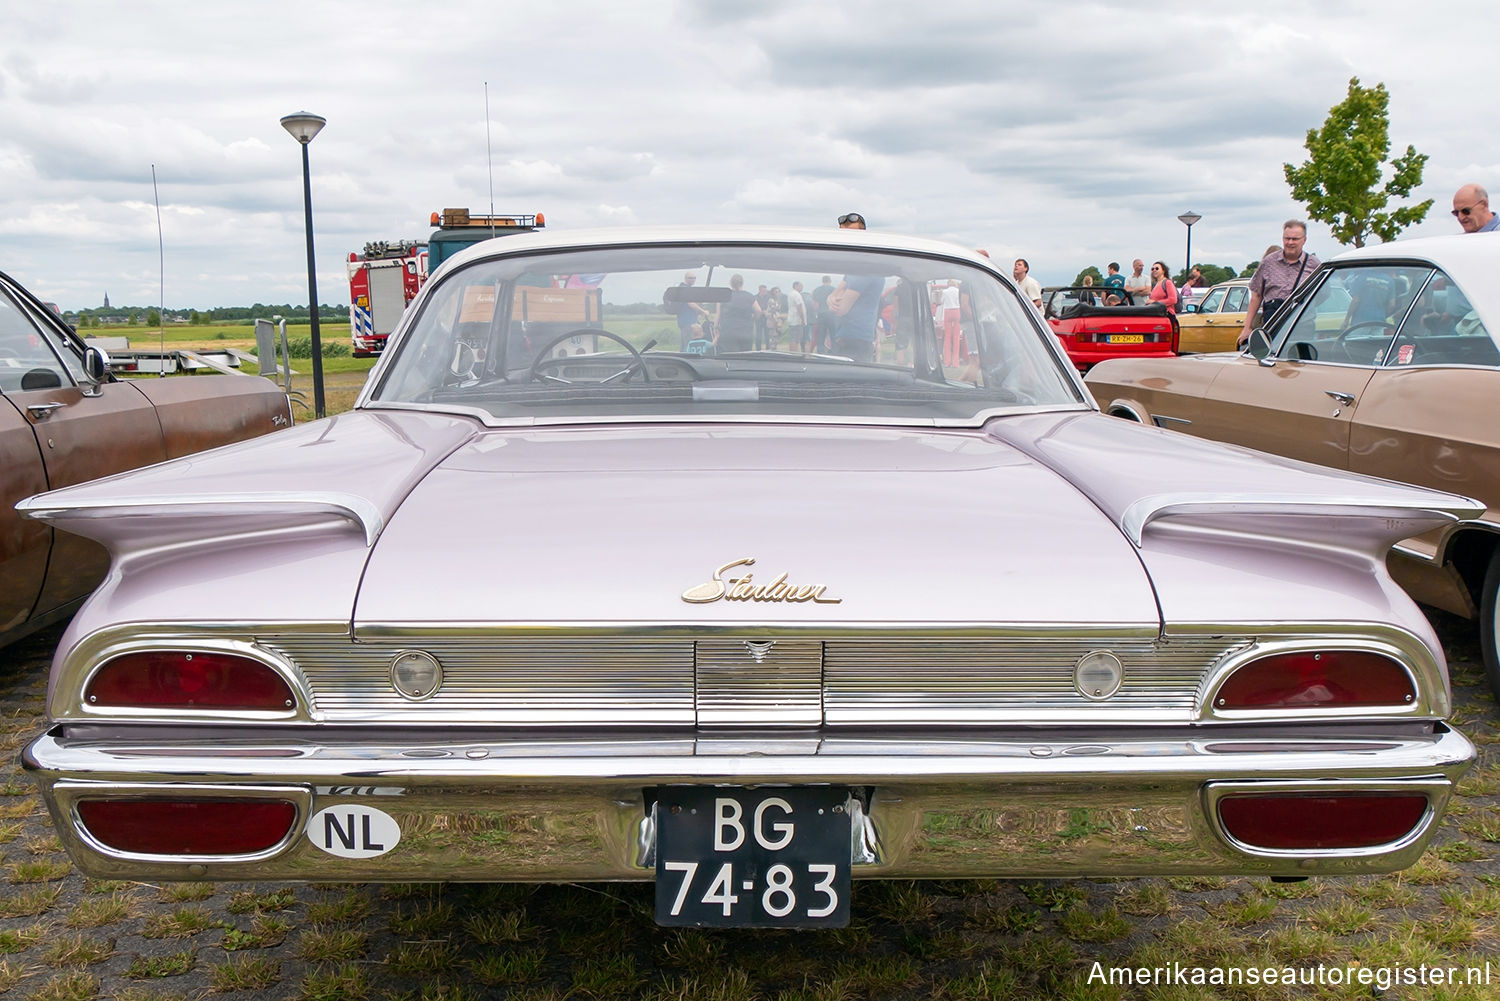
(845, 220)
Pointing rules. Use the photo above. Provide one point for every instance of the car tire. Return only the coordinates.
(1489, 627)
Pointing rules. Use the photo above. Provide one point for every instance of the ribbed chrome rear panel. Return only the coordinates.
(748, 681)
(784, 688)
(515, 680)
(902, 680)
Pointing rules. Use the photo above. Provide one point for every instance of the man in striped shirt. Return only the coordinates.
(1278, 276)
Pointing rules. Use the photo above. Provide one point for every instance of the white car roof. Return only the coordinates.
(626, 236)
(1470, 259)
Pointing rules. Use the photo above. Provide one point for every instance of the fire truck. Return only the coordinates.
(383, 278)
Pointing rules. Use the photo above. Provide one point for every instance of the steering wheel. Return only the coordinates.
(1344, 337)
(543, 359)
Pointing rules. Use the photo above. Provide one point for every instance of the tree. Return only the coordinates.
(1340, 181)
(1249, 269)
(153, 318)
(1090, 270)
(1212, 274)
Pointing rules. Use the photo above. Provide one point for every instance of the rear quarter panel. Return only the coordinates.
(205, 411)
(1168, 391)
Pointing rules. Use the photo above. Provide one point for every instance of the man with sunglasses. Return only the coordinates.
(1471, 207)
(852, 220)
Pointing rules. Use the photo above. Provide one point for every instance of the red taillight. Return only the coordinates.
(188, 827)
(1317, 680)
(1294, 821)
(176, 680)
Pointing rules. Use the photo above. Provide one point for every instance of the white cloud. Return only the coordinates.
(1002, 126)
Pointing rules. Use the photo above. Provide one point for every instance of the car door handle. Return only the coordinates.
(41, 411)
(1346, 399)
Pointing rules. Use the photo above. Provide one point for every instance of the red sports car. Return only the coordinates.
(1096, 323)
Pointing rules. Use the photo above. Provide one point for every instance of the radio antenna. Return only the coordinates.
(161, 275)
(489, 157)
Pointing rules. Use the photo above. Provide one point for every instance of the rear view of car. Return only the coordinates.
(1097, 324)
(750, 623)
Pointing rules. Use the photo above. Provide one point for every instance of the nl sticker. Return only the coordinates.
(353, 831)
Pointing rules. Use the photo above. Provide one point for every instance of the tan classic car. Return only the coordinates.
(1213, 323)
(1387, 362)
(64, 420)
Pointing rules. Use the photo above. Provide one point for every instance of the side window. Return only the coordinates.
(27, 361)
(1211, 301)
(1236, 299)
(1443, 328)
(1351, 317)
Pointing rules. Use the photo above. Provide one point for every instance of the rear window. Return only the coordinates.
(731, 331)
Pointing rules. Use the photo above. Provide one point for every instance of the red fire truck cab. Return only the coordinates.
(383, 278)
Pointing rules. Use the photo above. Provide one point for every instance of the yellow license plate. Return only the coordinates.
(1127, 339)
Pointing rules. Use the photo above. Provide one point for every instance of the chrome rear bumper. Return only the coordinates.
(581, 809)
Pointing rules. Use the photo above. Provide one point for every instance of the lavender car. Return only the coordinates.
(613, 575)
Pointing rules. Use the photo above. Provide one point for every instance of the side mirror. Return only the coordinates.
(96, 367)
(1260, 347)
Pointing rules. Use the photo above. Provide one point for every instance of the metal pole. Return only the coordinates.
(1187, 266)
(312, 292)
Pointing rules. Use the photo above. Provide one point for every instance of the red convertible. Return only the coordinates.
(1095, 323)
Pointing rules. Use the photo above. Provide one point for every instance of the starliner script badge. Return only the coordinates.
(744, 588)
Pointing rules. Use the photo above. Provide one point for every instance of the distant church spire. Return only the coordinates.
(106, 300)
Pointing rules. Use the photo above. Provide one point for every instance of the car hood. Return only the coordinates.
(821, 526)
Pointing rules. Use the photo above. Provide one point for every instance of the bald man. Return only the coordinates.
(1471, 207)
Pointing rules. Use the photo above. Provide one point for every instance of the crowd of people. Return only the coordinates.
(835, 319)
(845, 319)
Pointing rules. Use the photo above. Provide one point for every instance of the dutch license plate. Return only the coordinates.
(753, 858)
(1127, 339)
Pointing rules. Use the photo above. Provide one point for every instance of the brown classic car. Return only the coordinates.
(1386, 362)
(64, 420)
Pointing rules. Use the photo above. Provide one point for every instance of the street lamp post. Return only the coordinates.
(1187, 219)
(303, 127)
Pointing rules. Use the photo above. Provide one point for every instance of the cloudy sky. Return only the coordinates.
(1071, 133)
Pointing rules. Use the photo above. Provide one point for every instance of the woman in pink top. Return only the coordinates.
(1162, 289)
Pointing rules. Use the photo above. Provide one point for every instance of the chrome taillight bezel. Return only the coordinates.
(1428, 684)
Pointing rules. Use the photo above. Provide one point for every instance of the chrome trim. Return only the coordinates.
(269, 504)
(437, 669)
(1129, 413)
(562, 809)
(92, 653)
(977, 420)
(1434, 696)
(1162, 420)
(599, 674)
(1436, 790)
(733, 685)
(1427, 679)
(1148, 509)
(66, 794)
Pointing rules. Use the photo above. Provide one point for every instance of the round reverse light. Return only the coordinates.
(416, 675)
(1098, 674)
